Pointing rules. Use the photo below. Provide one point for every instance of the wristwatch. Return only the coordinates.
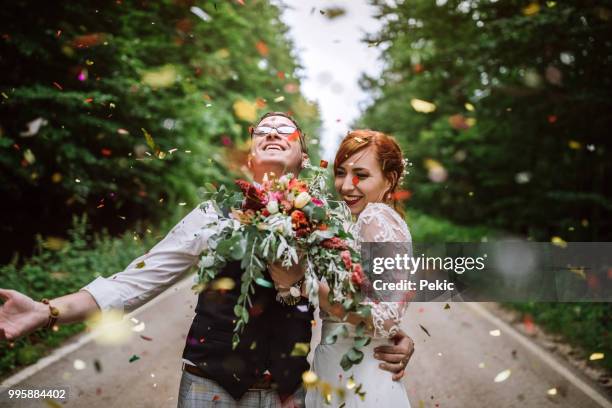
(290, 296)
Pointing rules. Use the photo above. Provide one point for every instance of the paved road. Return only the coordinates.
(444, 371)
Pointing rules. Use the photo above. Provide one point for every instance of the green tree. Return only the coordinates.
(515, 132)
(121, 110)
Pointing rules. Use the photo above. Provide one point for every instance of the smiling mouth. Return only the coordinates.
(273, 147)
(351, 201)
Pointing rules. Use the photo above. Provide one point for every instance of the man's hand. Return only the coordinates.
(20, 315)
(397, 356)
(284, 277)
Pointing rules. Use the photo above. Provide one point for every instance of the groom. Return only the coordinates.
(263, 370)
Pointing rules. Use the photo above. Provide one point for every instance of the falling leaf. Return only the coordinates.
(596, 356)
(134, 358)
(300, 349)
(495, 333)
(502, 376)
(425, 330)
(422, 106)
(162, 77)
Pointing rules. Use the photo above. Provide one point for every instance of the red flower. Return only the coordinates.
(346, 258)
(298, 219)
(295, 184)
(254, 198)
(265, 212)
(334, 243)
(357, 277)
(316, 202)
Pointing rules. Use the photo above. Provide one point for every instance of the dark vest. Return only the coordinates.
(265, 344)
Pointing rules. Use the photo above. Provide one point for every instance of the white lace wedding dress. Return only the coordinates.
(377, 223)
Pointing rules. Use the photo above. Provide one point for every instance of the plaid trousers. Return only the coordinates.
(198, 392)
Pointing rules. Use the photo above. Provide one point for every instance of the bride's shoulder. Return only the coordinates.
(379, 222)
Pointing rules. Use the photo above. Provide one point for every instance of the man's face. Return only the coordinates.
(275, 150)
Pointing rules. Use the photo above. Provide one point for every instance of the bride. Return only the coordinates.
(367, 169)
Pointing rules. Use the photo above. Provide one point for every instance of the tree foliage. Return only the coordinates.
(121, 110)
(515, 132)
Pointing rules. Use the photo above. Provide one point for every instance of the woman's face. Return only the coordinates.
(359, 180)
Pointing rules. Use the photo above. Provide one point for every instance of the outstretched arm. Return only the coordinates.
(143, 279)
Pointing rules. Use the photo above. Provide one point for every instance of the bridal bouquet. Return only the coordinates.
(285, 220)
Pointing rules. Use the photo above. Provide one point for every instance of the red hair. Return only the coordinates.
(388, 154)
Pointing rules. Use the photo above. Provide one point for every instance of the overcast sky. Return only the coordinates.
(333, 57)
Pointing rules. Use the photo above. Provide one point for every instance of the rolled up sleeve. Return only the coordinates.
(150, 274)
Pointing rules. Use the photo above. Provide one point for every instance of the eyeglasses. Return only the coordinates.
(281, 130)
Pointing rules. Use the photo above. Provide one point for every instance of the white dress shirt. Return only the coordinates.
(149, 275)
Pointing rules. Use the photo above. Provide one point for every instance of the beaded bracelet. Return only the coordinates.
(53, 314)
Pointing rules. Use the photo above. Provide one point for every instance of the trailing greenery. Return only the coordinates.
(66, 267)
(122, 109)
(503, 108)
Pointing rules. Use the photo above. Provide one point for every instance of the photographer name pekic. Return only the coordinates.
(406, 285)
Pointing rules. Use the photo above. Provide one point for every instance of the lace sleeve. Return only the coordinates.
(379, 223)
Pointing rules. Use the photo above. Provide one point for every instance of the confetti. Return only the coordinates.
(200, 13)
(140, 265)
(54, 243)
(469, 107)
(134, 358)
(58, 86)
(294, 136)
(33, 127)
(596, 356)
(552, 392)
(223, 284)
(323, 164)
(279, 99)
(79, 364)
(425, 330)
(245, 110)
(98, 366)
(558, 241)
(355, 180)
(300, 349)
(422, 106)
(495, 333)
(309, 378)
(139, 327)
(216, 398)
(333, 12)
(531, 9)
(262, 48)
(147, 338)
(481, 365)
(122, 131)
(106, 152)
(401, 195)
(574, 145)
(52, 403)
(502, 376)
(446, 306)
(162, 77)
